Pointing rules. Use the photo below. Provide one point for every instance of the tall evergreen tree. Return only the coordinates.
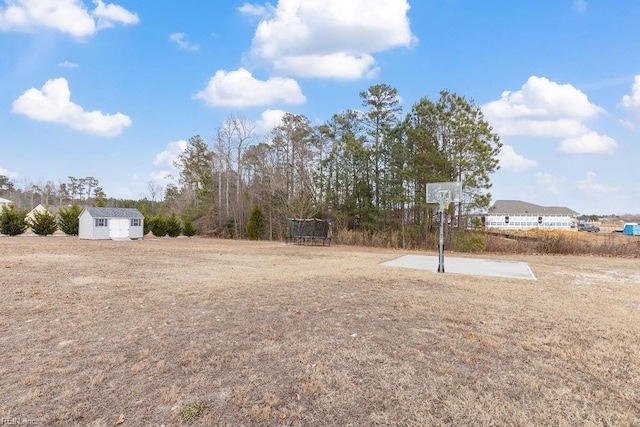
(196, 173)
(188, 229)
(383, 109)
(43, 223)
(173, 227)
(69, 219)
(447, 141)
(13, 220)
(159, 225)
(255, 226)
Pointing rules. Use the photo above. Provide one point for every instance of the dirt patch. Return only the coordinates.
(258, 333)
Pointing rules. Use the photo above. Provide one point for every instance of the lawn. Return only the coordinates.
(217, 332)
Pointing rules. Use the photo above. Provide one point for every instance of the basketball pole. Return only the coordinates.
(441, 240)
(443, 193)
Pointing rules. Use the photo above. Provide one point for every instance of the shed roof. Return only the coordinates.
(518, 207)
(114, 212)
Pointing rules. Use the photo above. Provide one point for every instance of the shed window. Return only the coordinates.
(101, 222)
(136, 222)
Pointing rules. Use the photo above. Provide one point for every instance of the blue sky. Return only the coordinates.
(112, 90)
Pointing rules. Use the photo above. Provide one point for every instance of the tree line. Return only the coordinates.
(29, 194)
(364, 170)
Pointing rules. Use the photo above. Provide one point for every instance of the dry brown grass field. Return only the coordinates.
(216, 332)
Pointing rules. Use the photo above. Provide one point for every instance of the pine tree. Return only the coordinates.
(43, 223)
(147, 224)
(173, 226)
(188, 229)
(69, 220)
(12, 220)
(159, 226)
(255, 226)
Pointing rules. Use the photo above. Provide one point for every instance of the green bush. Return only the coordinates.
(188, 229)
(69, 221)
(12, 220)
(468, 242)
(159, 226)
(43, 223)
(255, 226)
(173, 226)
(147, 224)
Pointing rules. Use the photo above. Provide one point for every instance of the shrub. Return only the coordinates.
(188, 229)
(159, 226)
(255, 226)
(69, 221)
(468, 242)
(147, 225)
(173, 226)
(12, 220)
(43, 223)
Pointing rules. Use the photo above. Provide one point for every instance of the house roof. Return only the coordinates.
(518, 207)
(114, 212)
(52, 209)
(4, 201)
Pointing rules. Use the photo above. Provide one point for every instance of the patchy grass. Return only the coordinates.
(194, 411)
(260, 333)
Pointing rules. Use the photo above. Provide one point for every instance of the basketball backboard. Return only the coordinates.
(444, 192)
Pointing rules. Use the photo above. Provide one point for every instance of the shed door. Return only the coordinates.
(119, 228)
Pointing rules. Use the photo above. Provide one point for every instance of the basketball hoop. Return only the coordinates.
(443, 193)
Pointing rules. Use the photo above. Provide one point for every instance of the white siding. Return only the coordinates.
(136, 232)
(108, 227)
(544, 222)
(86, 226)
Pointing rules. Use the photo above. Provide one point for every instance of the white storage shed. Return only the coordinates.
(111, 223)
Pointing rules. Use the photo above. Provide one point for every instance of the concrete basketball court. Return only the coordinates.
(470, 266)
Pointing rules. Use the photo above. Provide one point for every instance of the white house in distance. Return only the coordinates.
(4, 202)
(518, 215)
(31, 216)
(111, 223)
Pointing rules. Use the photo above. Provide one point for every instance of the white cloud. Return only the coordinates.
(581, 6)
(256, 10)
(633, 100)
(68, 16)
(110, 14)
(7, 173)
(53, 104)
(170, 155)
(67, 64)
(547, 109)
(632, 104)
(269, 120)
(542, 106)
(178, 38)
(628, 124)
(589, 187)
(240, 89)
(330, 30)
(336, 65)
(589, 143)
(559, 128)
(551, 183)
(512, 161)
(164, 161)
